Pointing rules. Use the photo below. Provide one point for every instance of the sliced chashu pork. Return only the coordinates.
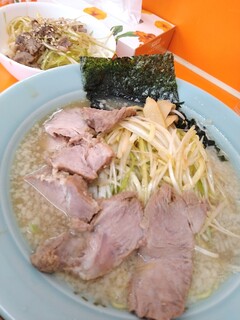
(94, 250)
(105, 120)
(61, 252)
(85, 158)
(78, 121)
(68, 123)
(117, 232)
(80, 152)
(69, 193)
(160, 285)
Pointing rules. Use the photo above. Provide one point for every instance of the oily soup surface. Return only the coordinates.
(39, 220)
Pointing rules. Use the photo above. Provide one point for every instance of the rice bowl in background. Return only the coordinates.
(46, 10)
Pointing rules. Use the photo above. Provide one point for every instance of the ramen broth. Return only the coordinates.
(39, 220)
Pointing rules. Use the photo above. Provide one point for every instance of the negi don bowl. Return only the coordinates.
(37, 36)
(131, 206)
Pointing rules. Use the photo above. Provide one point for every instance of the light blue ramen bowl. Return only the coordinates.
(25, 293)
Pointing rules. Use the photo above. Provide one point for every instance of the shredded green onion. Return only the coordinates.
(147, 154)
(52, 54)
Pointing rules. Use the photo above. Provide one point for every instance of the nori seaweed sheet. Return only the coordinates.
(132, 78)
